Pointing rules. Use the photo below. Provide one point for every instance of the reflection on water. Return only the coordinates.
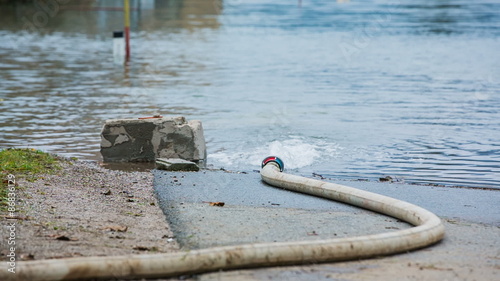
(350, 90)
(99, 17)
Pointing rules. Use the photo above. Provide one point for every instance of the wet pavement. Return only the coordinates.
(247, 189)
(256, 212)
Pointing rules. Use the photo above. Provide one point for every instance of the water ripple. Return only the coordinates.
(352, 90)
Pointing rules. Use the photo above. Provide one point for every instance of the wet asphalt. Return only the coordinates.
(256, 212)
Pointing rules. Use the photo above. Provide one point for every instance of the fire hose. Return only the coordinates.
(427, 230)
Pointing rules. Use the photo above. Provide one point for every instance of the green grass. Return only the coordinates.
(23, 163)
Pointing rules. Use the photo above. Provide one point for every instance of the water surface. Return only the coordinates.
(356, 90)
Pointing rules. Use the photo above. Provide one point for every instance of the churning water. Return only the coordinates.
(353, 90)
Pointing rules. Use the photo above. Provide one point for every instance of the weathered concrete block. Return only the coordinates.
(175, 164)
(144, 140)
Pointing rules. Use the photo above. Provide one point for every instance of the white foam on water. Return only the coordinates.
(296, 152)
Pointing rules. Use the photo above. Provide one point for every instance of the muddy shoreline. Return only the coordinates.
(87, 210)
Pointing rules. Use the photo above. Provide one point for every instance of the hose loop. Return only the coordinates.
(428, 230)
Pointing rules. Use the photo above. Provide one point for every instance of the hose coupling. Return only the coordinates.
(274, 159)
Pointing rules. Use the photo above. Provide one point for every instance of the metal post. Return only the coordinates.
(127, 29)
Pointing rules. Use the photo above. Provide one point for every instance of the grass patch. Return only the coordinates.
(23, 163)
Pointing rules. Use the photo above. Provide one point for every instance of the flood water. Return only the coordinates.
(351, 90)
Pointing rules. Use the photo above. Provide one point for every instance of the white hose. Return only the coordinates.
(428, 230)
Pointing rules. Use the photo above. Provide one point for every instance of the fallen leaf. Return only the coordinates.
(63, 237)
(391, 227)
(27, 257)
(18, 218)
(388, 178)
(319, 176)
(117, 228)
(312, 233)
(218, 204)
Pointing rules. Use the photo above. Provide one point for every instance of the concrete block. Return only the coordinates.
(144, 140)
(175, 164)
